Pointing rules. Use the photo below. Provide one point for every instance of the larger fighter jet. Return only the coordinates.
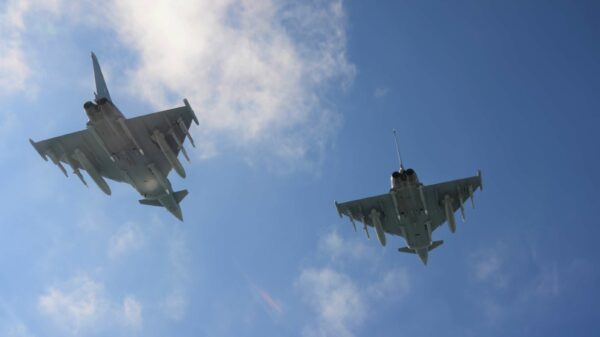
(140, 151)
(412, 210)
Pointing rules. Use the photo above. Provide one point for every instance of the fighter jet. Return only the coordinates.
(412, 210)
(140, 151)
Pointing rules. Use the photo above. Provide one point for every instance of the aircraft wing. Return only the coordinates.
(457, 190)
(75, 148)
(173, 124)
(359, 210)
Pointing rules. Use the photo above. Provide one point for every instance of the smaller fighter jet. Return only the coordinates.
(412, 210)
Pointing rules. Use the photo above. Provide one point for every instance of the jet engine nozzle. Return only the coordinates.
(397, 179)
(91, 110)
(102, 101)
(411, 176)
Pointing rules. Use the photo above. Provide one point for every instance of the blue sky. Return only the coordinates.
(296, 105)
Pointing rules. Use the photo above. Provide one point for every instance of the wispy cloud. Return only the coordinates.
(254, 71)
(337, 300)
(15, 72)
(128, 238)
(132, 312)
(75, 306)
(175, 303)
(335, 247)
(381, 92)
(487, 265)
(81, 306)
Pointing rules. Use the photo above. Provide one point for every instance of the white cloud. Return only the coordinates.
(487, 265)
(336, 248)
(340, 302)
(393, 284)
(10, 324)
(128, 238)
(14, 22)
(76, 306)
(132, 312)
(335, 298)
(253, 70)
(175, 304)
(81, 306)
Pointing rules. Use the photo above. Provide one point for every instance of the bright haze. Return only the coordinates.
(296, 102)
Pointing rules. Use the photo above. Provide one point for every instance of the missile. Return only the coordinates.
(471, 195)
(376, 218)
(187, 104)
(75, 169)
(100, 142)
(449, 213)
(395, 201)
(123, 125)
(422, 195)
(351, 220)
(185, 131)
(159, 138)
(57, 162)
(91, 170)
(179, 145)
(460, 199)
(160, 177)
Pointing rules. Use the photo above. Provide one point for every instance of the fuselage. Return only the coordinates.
(131, 163)
(406, 188)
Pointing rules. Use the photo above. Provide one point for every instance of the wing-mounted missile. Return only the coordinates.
(56, 161)
(179, 144)
(449, 213)
(471, 196)
(352, 220)
(129, 135)
(100, 142)
(364, 221)
(159, 138)
(162, 180)
(75, 169)
(375, 216)
(185, 131)
(187, 105)
(461, 202)
(91, 170)
(480, 180)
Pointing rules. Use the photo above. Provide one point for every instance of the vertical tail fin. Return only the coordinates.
(101, 88)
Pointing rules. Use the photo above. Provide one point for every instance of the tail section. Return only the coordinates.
(423, 253)
(101, 88)
(169, 201)
(179, 195)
